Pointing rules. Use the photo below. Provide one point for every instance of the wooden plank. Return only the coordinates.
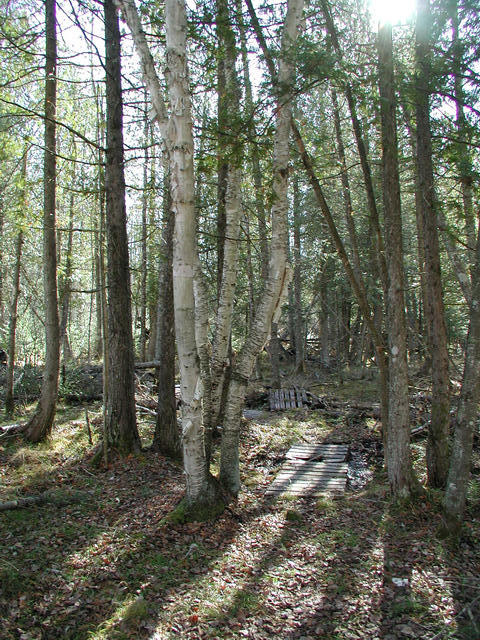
(331, 481)
(278, 402)
(303, 470)
(303, 489)
(306, 464)
(298, 485)
(310, 493)
(318, 472)
(304, 486)
(306, 454)
(298, 395)
(280, 399)
(316, 450)
(316, 457)
(287, 482)
(271, 400)
(319, 447)
(311, 478)
(295, 475)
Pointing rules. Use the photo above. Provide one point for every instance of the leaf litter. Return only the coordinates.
(110, 567)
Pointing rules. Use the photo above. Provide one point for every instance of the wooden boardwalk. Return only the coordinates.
(286, 399)
(312, 470)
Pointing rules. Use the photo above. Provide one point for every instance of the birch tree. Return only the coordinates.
(202, 492)
(279, 274)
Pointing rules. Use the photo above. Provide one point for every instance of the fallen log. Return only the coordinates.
(11, 429)
(150, 364)
(51, 496)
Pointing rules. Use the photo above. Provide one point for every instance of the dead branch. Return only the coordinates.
(47, 497)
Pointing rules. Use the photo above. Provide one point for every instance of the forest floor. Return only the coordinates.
(108, 566)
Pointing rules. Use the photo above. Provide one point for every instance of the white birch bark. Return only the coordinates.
(178, 139)
(184, 253)
(276, 285)
(223, 325)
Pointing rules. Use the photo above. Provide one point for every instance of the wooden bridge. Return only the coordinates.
(312, 470)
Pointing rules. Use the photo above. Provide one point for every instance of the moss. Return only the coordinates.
(11, 581)
(185, 512)
(292, 515)
(135, 610)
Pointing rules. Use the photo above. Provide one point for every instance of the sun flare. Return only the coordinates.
(392, 11)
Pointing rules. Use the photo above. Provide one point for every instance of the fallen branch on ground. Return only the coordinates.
(51, 496)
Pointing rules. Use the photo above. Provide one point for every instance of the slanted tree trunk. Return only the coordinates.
(276, 285)
(463, 157)
(347, 200)
(120, 426)
(340, 248)
(40, 424)
(437, 443)
(362, 152)
(467, 414)
(398, 459)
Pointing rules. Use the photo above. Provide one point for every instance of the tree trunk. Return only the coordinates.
(167, 435)
(276, 285)
(362, 153)
(120, 427)
(297, 282)
(2, 296)
(66, 288)
(201, 490)
(12, 327)
(467, 414)
(437, 444)
(142, 347)
(202, 494)
(274, 352)
(398, 459)
(347, 200)
(340, 248)
(98, 224)
(229, 206)
(40, 424)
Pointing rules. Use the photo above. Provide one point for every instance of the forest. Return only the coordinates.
(239, 319)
